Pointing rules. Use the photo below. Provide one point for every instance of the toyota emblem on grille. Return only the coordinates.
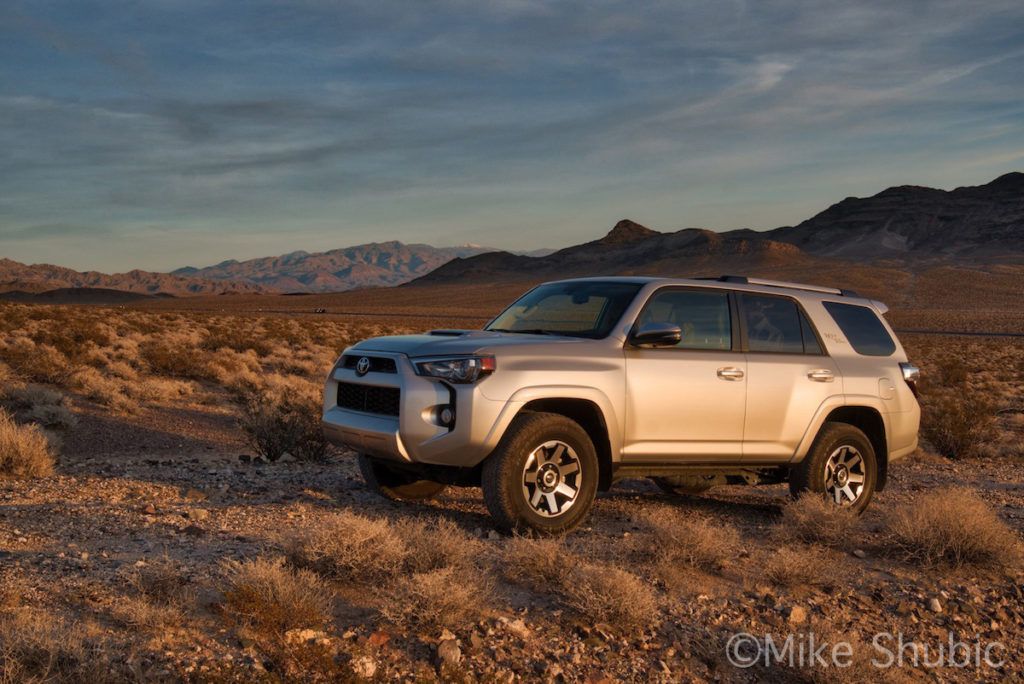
(363, 366)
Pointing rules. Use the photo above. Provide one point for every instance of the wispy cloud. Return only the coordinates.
(201, 131)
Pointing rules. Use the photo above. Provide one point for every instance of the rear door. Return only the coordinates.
(789, 376)
(687, 402)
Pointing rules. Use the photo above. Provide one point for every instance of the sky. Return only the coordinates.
(156, 134)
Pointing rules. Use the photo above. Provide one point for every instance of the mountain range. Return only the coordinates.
(378, 264)
(905, 227)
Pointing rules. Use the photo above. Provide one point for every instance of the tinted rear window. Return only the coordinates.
(862, 328)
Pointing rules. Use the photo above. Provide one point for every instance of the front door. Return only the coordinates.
(686, 401)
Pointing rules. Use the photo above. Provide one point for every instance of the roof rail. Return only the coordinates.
(780, 283)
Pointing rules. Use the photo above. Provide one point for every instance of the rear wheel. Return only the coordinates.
(543, 475)
(396, 484)
(841, 466)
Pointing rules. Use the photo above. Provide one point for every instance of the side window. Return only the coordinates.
(862, 328)
(811, 344)
(702, 316)
(773, 324)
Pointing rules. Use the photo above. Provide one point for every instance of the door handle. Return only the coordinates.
(821, 375)
(730, 373)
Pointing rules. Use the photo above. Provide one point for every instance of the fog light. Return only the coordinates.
(446, 415)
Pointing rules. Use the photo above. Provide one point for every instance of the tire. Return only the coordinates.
(394, 484)
(838, 446)
(546, 453)
(692, 487)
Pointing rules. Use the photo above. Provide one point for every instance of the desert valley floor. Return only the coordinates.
(161, 548)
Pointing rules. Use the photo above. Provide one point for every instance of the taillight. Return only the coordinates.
(911, 375)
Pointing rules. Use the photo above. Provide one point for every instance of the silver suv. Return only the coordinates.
(581, 383)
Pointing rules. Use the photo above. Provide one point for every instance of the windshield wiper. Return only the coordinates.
(528, 331)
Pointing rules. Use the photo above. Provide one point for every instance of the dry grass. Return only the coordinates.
(442, 598)
(611, 596)
(538, 562)
(813, 520)
(351, 547)
(952, 526)
(693, 541)
(801, 566)
(137, 612)
(161, 580)
(40, 405)
(24, 449)
(271, 598)
(36, 648)
(437, 544)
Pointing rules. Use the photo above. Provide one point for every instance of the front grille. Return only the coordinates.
(369, 399)
(378, 364)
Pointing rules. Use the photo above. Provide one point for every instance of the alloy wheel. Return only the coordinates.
(552, 478)
(845, 475)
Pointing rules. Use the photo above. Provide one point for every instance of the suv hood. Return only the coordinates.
(445, 342)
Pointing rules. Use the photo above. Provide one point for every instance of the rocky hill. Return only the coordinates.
(908, 226)
(36, 278)
(977, 223)
(376, 264)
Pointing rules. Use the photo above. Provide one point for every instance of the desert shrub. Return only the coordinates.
(271, 598)
(538, 562)
(814, 520)
(611, 596)
(445, 597)
(24, 449)
(957, 423)
(35, 647)
(36, 362)
(276, 424)
(103, 390)
(159, 389)
(138, 612)
(351, 547)
(173, 355)
(801, 566)
(952, 526)
(237, 336)
(437, 544)
(690, 540)
(161, 580)
(40, 405)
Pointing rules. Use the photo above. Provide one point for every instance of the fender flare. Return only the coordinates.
(831, 404)
(525, 395)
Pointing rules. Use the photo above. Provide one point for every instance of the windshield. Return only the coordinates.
(575, 309)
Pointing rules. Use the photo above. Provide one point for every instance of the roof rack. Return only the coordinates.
(744, 280)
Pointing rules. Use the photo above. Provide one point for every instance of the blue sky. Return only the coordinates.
(157, 134)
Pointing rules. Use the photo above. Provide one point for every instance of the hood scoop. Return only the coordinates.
(445, 332)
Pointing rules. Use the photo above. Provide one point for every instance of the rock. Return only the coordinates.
(197, 514)
(149, 509)
(449, 653)
(493, 535)
(194, 531)
(934, 605)
(797, 615)
(364, 667)
(860, 553)
(518, 627)
(301, 636)
(476, 641)
(378, 639)
(195, 495)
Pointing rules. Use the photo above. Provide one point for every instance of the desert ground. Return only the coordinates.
(152, 530)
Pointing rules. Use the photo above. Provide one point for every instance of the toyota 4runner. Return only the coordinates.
(581, 383)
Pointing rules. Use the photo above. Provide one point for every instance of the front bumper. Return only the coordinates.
(414, 435)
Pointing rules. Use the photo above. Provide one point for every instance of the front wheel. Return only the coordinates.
(543, 475)
(395, 484)
(841, 466)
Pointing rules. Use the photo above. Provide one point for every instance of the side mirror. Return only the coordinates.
(657, 335)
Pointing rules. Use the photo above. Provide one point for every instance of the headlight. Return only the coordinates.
(459, 369)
